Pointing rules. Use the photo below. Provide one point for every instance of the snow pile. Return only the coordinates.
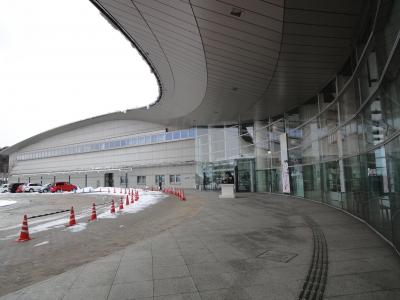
(7, 202)
(88, 189)
(146, 199)
(76, 228)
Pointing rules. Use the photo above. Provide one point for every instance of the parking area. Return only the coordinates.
(55, 248)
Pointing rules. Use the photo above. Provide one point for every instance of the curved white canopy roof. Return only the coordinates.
(223, 60)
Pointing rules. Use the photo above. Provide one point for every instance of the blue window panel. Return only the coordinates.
(184, 134)
(123, 143)
(154, 139)
(192, 132)
(176, 135)
(148, 139)
(142, 140)
(168, 136)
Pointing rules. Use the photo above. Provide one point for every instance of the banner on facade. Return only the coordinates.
(285, 165)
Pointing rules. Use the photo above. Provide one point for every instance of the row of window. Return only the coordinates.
(141, 180)
(137, 140)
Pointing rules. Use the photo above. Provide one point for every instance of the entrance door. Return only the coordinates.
(109, 179)
(160, 178)
(245, 175)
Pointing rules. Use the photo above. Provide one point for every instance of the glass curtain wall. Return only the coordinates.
(343, 144)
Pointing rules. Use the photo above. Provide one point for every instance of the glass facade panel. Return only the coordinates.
(392, 150)
(343, 144)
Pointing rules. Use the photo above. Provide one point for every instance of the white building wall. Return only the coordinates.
(100, 131)
(167, 158)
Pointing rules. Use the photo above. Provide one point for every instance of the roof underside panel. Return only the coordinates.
(219, 61)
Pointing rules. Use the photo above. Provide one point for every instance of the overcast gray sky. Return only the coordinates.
(60, 62)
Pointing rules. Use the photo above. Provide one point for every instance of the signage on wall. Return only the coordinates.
(285, 166)
(285, 178)
(372, 172)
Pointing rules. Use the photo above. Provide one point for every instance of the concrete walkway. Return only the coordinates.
(258, 246)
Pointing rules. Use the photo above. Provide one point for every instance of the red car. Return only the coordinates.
(20, 188)
(62, 187)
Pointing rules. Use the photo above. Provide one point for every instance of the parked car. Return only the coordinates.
(4, 188)
(20, 188)
(45, 188)
(15, 187)
(62, 187)
(32, 187)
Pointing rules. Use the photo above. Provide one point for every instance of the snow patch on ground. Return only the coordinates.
(41, 244)
(146, 199)
(107, 215)
(59, 223)
(88, 189)
(7, 202)
(76, 228)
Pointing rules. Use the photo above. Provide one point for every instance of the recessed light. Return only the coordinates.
(236, 12)
(234, 88)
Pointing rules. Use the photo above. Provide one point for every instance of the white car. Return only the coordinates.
(4, 188)
(32, 187)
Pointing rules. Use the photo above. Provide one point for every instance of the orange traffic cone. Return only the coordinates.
(94, 215)
(24, 234)
(127, 200)
(137, 196)
(72, 221)
(121, 204)
(183, 195)
(112, 207)
(132, 199)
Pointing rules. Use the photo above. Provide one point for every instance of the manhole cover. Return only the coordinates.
(279, 256)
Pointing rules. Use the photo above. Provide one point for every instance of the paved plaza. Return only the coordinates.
(257, 246)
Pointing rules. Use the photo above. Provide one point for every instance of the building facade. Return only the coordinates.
(121, 153)
(3, 167)
(293, 97)
(341, 147)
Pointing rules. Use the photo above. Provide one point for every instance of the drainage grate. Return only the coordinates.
(277, 256)
(314, 285)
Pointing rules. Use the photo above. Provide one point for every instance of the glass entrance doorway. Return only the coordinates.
(109, 179)
(160, 180)
(245, 175)
(210, 175)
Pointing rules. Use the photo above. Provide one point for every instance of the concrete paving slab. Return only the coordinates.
(172, 286)
(188, 296)
(133, 290)
(162, 272)
(88, 293)
(133, 270)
